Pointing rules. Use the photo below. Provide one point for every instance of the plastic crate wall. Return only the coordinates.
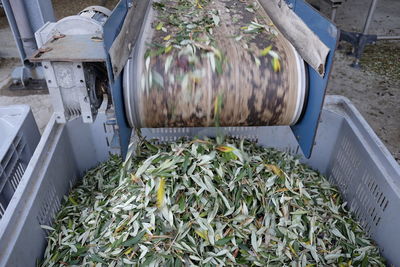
(346, 151)
(19, 137)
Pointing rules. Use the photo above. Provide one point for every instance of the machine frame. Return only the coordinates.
(304, 131)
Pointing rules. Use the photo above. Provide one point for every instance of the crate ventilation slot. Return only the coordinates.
(169, 130)
(164, 135)
(12, 168)
(50, 206)
(376, 191)
(291, 150)
(366, 199)
(2, 210)
(17, 176)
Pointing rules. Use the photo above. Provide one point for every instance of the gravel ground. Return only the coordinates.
(375, 95)
(375, 89)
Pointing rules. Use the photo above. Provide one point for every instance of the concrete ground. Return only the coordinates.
(375, 89)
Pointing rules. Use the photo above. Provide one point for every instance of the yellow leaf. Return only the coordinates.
(198, 4)
(217, 53)
(196, 79)
(276, 64)
(159, 26)
(72, 200)
(128, 251)
(282, 190)
(275, 169)
(266, 50)
(119, 229)
(203, 234)
(168, 49)
(225, 149)
(166, 38)
(161, 193)
(344, 264)
(216, 106)
(292, 250)
(200, 141)
(217, 109)
(244, 28)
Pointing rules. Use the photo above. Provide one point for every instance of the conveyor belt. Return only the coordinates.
(221, 63)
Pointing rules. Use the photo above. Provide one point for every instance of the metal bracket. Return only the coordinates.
(68, 89)
(361, 39)
(111, 30)
(24, 18)
(305, 130)
(358, 41)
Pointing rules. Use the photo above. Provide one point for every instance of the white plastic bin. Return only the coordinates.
(19, 136)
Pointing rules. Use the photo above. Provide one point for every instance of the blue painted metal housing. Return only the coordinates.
(111, 30)
(304, 131)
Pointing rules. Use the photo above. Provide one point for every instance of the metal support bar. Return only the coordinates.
(24, 18)
(14, 29)
(388, 37)
(360, 40)
(333, 14)
(24, 26)
(369, 16)
(39, 12)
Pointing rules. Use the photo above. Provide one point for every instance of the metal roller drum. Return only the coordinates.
(250, 75)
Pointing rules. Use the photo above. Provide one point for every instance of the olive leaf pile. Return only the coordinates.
(197, 203)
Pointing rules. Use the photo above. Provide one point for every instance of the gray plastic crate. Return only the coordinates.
(347, 151)
(19, 136)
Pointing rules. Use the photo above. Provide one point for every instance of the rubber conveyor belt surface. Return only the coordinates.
(223, 63)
